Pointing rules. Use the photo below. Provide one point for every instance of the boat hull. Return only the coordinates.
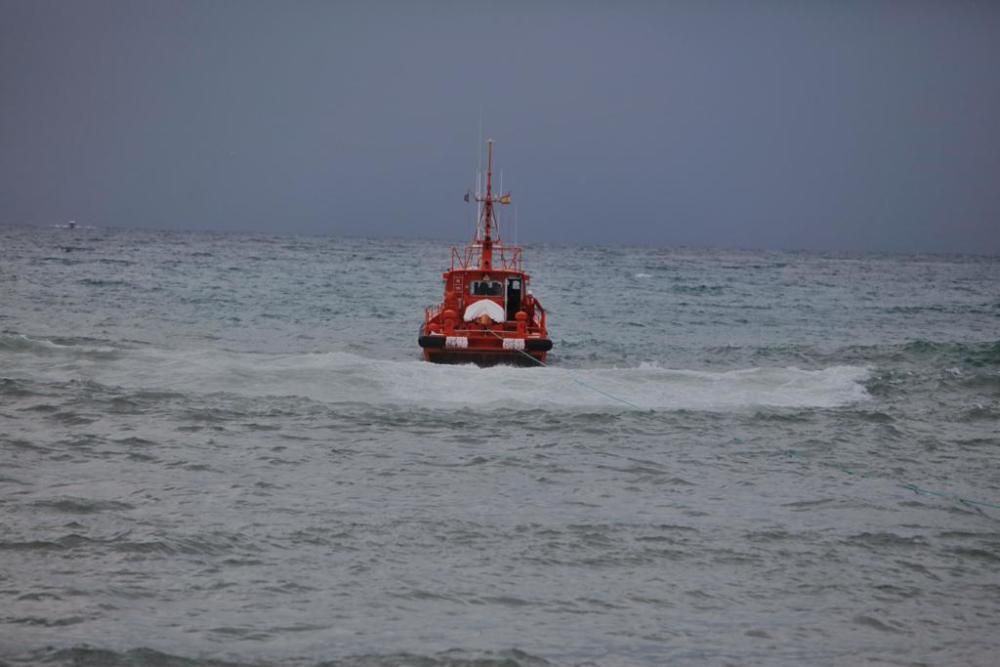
(485, 357)
(485, 351)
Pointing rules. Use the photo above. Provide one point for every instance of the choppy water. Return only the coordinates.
(225, 447)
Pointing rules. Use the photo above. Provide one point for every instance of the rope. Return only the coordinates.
(959, 499)
(976, 504)
(581, 382)
(910, 487)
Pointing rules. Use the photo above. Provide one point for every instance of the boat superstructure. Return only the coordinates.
(488, 315)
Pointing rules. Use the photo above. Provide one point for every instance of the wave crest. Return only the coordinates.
(341, 377)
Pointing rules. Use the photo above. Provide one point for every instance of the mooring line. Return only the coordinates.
(976, 504)
(581, 382)
(965, 501)
(905, 485)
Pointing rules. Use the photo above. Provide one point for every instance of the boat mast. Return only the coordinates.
(488, 221)
(486, 258)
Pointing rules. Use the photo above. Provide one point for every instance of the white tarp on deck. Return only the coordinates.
(484, 306)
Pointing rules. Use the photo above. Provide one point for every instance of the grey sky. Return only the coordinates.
(839, 126)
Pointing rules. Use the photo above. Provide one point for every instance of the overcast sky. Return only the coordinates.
(833, 126)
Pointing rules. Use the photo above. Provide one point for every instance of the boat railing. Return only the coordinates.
(432, 311)
(504, 257)
(539, 318)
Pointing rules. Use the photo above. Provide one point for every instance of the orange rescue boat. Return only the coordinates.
(488, 315)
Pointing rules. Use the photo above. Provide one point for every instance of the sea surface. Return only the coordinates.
(224, 449)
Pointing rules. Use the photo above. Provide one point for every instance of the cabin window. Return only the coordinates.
(486, 288)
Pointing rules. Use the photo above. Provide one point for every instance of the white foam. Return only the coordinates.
(646, 387)
(22, 343)
(340, 377)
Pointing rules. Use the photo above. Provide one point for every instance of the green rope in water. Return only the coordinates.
(581, 382)
(604, 393)
(965, 501)
(908, 486)
(911, 487)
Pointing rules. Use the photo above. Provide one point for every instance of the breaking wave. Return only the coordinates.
(81, 347)
(342, 377)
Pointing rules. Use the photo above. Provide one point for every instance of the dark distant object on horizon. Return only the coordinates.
(488, 315)
(72, 224)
